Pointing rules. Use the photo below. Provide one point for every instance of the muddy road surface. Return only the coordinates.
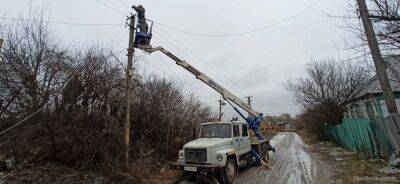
(290, 164)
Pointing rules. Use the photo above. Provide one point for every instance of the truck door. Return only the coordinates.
(236, 139)
(245, 144)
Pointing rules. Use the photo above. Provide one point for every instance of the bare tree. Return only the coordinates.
(31, 67)
(386, 21)
(328, 87)
(386, 16)
(79, 93)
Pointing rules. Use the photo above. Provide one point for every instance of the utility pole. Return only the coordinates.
(380, 65)
(249, 101)
(129, 74)
(221, 103)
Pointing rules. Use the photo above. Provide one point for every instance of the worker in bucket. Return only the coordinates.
(143, 27)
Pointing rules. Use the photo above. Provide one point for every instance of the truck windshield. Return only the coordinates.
(215, 130)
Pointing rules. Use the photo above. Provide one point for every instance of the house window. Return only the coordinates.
(358, 113)
(369, 108)
(346, 112)
(352, 112)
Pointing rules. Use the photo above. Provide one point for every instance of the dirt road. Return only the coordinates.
(291, 164)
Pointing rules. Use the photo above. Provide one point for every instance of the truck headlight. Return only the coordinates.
(181, 156)
(219, 157)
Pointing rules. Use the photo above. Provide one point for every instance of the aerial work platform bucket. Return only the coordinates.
(143, 38)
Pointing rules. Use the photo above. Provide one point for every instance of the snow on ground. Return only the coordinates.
(301, 173)
(290, 164)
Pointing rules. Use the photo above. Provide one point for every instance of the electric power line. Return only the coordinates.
(118, 33)
(165, 62)
(178, 49)
(112, 8)
(60, 22)
(172, 46)
(171, 74)
(26, 118)
(216, 73)
(126, 4)
(166, 25)
(244, 32)
(41, 108)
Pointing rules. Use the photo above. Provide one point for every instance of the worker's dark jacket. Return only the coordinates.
(140, 12)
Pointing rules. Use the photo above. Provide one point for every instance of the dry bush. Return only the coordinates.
(309, 125)
(80, 94)
(165, 118)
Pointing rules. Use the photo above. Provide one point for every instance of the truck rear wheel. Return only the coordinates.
(229, 172)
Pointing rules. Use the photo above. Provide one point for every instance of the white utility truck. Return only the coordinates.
(221, 148)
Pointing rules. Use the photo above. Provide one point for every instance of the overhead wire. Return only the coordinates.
(244, 32)
(185, 81)
(165, 62)
(172, 45)
(41, 108)
(74, 24)
(116, 35)
(123, 37)
(167, 26)
(170, 73)
(217, 73)
(126, 4)
(60, 22)
(74, 73)
(112, 8)
(200, 58)
(176, 75)
(20, 122)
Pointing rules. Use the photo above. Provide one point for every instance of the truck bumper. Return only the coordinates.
(204, 169)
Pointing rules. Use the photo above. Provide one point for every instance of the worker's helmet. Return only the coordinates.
(140, 6)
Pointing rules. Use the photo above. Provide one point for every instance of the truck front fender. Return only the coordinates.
(226, 153)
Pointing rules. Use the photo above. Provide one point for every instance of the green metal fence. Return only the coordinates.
(361, 135)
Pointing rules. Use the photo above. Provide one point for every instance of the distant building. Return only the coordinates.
(282, 123)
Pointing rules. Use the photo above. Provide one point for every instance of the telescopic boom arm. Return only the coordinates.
(227, 95)
(255, 118)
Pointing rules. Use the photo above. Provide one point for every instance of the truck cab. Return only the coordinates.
(220, 149)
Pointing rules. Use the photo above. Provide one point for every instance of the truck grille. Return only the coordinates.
(195, 155)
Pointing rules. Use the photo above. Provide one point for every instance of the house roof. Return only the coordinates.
(393, 70)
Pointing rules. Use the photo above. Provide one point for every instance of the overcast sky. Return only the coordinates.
(255, 64)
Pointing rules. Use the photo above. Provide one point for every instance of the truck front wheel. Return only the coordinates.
(229, 172)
